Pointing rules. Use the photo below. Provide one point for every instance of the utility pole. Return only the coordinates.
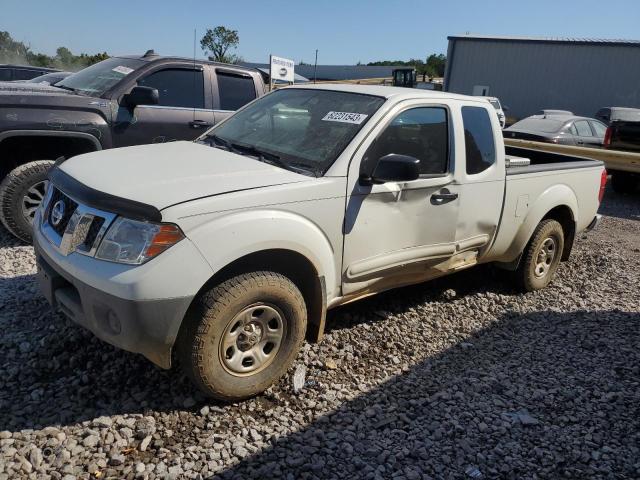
(315, 67)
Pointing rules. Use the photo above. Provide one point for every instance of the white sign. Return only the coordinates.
(123, 70)
(345, 117)
(281, 68)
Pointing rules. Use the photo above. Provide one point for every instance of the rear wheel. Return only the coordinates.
(21, 193)
(242, 335)
(542, 256)
(624, 182)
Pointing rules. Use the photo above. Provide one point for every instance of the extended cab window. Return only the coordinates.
(421, 133)
(177, 87)
(235, 90)
(480, 147)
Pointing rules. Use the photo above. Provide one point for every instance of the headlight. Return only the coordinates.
(134, 242)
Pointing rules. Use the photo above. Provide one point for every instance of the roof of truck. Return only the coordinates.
(388, 92)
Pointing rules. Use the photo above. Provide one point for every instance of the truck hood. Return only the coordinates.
(163, 175)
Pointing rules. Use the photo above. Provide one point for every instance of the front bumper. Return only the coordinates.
(138, 309)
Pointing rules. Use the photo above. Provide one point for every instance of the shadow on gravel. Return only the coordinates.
(538, 395)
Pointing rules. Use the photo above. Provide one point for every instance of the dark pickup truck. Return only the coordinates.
(623, 134)
(121, 101)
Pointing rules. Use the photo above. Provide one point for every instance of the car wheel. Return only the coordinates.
(542, 256)
(21, 193)
(241, 336)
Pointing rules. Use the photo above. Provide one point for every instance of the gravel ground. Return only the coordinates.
(459, 378)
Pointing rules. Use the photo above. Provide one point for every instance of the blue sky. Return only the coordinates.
(345, 32)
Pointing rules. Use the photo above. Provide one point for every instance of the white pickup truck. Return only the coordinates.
(227, 251)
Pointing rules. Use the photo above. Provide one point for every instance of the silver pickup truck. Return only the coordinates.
(227, 251)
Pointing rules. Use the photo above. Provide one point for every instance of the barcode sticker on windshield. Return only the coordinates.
(345, 117)
(122, 69)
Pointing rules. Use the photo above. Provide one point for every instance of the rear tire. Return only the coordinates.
(541, 256)
(21, 192)
(242, 335)
(624, 182)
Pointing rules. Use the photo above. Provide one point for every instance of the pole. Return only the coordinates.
(315, 67)
(270, 71)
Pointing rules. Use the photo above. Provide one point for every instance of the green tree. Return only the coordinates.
(217, 42)
(435, 65)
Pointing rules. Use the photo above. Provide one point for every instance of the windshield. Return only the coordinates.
(100, 77)
(496, 104)
(297, 129)
(538, 125)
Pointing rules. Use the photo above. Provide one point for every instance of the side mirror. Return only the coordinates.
(395, 168)
(141, 96)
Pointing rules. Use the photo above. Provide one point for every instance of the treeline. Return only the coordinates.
(433, 66)
(13, 51)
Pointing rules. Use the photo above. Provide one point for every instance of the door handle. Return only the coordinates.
(200, 124)
(442, 198)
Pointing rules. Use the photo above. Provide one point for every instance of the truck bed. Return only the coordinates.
(541, 161)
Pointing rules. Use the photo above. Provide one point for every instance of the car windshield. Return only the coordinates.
(303, 130)
(100, 77)
(496, 104)
(545, 125)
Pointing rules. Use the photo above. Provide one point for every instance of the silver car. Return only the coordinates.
(562, 129)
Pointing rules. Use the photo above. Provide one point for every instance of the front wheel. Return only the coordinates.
(242, 335)
(21, 193)
(541, 257)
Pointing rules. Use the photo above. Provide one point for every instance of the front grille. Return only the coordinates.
(69, 207)
(93, 232)
(71, 226)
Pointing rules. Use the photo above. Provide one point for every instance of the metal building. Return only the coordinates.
(530, 74)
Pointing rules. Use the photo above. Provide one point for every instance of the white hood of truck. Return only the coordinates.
(162, 175)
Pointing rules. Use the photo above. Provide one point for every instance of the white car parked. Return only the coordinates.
(495, 102)
(231, 249)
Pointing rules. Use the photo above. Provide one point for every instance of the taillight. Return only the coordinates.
(603, 185)
(607, 137)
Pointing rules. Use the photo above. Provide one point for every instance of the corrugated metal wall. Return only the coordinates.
(529, 76)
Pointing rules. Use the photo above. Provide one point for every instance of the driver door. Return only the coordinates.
(181, 113)
(401, 233)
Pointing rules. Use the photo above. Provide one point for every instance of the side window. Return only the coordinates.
(599, 128)
(5, 74)
(572, 129)
(177, 87)
(235, 90)
(583, 128)
(421, 133)
(480, 147)
(20, 74)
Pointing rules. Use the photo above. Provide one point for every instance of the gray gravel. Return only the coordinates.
(459, 378)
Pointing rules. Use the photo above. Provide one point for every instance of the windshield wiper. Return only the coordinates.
(273, 159)
(64, 87)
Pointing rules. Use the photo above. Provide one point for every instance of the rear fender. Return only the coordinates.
(555, 196)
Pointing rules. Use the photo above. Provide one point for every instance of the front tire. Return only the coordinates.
(242, 335)
(541, 257)
(21, 193)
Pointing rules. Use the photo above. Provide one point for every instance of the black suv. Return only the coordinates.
(118, 102)
(10, 73)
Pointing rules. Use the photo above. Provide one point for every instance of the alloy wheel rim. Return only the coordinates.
(252, 339)
(32, 199)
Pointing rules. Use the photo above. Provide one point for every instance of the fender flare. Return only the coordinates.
(50, 133)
